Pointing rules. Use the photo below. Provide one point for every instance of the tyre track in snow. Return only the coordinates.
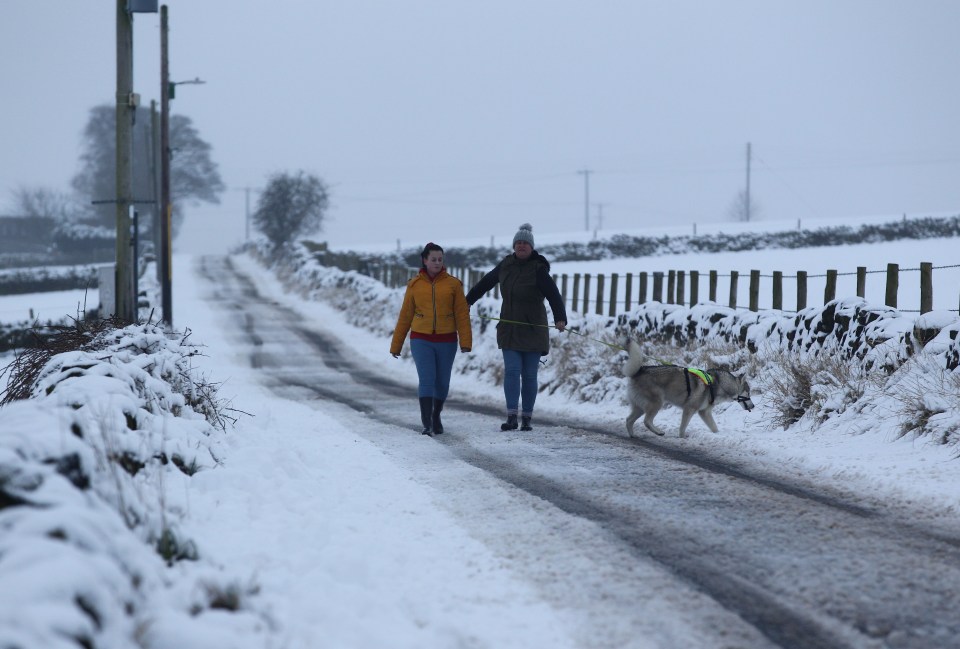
(804, 569)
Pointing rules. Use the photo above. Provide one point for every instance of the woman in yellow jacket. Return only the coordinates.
(435, 312)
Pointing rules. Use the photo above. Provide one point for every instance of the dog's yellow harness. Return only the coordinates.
(705, 377)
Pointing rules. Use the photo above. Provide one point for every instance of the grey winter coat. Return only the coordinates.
(524, 285)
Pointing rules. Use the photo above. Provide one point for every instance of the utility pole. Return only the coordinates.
(125, 301)
(155, 163)
(586, 198)
(165, 205)
(747, 202)
(167, 92)
(247, 214)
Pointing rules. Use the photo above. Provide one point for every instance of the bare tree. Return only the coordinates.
(291, 205)
(193, 174)
(743, 209)
(43, 202)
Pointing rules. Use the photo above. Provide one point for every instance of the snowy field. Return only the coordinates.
(453, 234)
(44, 307)
(908, 254)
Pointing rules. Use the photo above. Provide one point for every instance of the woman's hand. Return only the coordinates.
(560, 325)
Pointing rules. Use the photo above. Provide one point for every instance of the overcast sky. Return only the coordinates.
(435, 119)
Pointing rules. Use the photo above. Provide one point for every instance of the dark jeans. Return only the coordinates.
(520, 380)
(434, 363)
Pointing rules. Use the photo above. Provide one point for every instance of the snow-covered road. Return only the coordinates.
(626, 538)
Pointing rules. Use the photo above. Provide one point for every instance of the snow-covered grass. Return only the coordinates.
(51, 306)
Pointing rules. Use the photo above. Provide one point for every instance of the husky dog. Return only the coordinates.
(649, 387)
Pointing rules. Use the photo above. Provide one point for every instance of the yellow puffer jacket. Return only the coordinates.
(437, 307)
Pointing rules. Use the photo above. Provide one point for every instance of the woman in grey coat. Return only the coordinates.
(523, 331)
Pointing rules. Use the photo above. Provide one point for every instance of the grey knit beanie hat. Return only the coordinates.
(525, 233)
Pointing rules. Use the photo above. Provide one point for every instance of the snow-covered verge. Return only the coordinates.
(846, 357)
(94, 549)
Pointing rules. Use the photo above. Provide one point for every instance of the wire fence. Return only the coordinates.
(909, 290)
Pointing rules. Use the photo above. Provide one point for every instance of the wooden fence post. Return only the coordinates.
(778, 290)
(713, 285)
(642, 295)
(671, 286)
(613, 295)
(586, 293)
(694, 287)
(627, 290)
(830, 291)
(576, 291)
(658, 286)
(801, 290)
(600, 282)
(563, 289)
(754, 290)
(734, 276)
(893, 284)
(681, 292)
(861, 281)
(926, 286)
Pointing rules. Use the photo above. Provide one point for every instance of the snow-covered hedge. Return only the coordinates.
(852, 329)
(17, 281)
(93, 473)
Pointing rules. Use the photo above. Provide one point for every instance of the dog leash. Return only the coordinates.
(602, 342)
(573, 331)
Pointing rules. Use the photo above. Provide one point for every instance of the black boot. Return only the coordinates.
(525, 423)
(437, 424)
(426, 415)
(510, 424)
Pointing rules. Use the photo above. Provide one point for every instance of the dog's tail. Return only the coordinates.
(633, 364)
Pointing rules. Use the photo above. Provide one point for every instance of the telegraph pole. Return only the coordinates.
(247, 215)
(166, 300)
(125, 304)
(747, 206)
(155, 163)
(586, 198)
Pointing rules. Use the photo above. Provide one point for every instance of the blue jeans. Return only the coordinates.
(434, 363)
(520, 380)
